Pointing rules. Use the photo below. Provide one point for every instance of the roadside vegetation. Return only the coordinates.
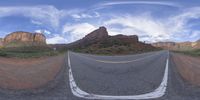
(116, 47)
(114, 50)
(29, 52)
(195, 53)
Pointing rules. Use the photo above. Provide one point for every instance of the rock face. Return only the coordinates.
(1, 42)
(197, 44)
(125, 38)
(165, 45)
(178, 46)
(99, 41)
(97, 35)
(93, 37)
(25, 38)
(101, 35)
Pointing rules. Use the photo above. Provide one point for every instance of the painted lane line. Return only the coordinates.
(122, 62)
(129, 61)
(157, 93)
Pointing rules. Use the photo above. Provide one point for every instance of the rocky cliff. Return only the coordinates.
(165, 45)
(91, 38)
(197, 44)
(1, 42)
(178, 46)
(99, 41)
(20, 38)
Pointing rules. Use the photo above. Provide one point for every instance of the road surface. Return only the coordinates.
(149, 76)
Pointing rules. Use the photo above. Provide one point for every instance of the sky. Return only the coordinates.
(65, 21)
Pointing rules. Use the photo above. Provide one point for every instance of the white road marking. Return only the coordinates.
(159, 92)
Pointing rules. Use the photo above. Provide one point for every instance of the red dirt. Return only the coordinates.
(28, 73)
(188, 67)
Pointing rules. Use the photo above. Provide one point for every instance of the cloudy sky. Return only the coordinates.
(64, 21)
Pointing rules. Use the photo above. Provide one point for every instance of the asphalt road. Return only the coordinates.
(143, 76)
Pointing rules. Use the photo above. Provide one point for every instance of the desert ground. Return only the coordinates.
(28, 73)
(188, 67)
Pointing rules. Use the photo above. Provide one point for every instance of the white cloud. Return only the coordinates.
(56, 39)
(85, 15)
(36, 22)
(43, 31)
(71, 32)
(195, 34)
(139, 25)
(179, 24)
(163, 3)
(77, 31)
(173, 28)
(44, 14)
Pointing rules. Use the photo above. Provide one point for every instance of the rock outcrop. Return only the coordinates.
(1, 42)
(101, 35)
(97, 35)
(24, 39)
(178, 46)
(125, 38)
(197, 44)
(91, 38)
(99, 41)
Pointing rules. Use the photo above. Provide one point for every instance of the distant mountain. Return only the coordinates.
(99, 42)
(165, 45)
(178, 46)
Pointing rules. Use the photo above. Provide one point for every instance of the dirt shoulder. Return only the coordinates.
(188, 67)
(28, 73)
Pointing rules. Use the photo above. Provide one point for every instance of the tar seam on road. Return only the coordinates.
(157, 93)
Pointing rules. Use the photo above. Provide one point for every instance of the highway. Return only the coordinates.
(119, 77)
(149, 76)
(140, 76)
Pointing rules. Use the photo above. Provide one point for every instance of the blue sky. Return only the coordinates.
(64, 21)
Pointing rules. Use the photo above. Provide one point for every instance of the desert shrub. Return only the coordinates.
(190, 52)
(3, 54)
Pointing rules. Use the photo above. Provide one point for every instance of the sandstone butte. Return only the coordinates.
(23, 38)
(100, 35)
(178, 46)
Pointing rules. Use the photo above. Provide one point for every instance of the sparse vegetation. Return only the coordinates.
(28, 52)
(115, 49)
(190, 52)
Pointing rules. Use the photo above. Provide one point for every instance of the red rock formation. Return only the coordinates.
(25, 38)
(1, 42)
(178, 46)
(125, 38)
(99, 41)
(97, 35)
(93, 37)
